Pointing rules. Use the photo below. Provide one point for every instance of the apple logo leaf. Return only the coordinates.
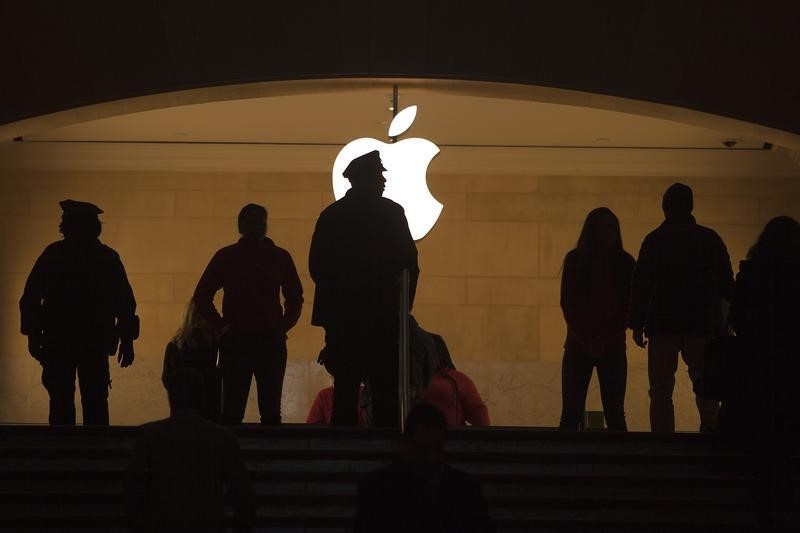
(402, 121)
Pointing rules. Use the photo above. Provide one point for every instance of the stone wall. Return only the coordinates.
(490, 268)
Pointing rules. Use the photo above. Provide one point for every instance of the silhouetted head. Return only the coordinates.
(366, 173)
(600, 232)
(79, 220)
(424, 438)
(185, 389)
(678, 201)
(253, 221)
(779, 240)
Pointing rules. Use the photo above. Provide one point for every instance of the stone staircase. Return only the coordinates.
(71, 479)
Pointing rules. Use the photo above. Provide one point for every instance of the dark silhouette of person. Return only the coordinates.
(765, 315)
(253, 326)
(440, 384)
(420, 492)
(195, 346)
(595, 291)
(184, 466)
(760, 412)
(360, 246)
(681, 285)
(77, 308)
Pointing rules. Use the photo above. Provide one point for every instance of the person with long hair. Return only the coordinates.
(595, 286)
(195, 346)
(760, 411)
(765, 314)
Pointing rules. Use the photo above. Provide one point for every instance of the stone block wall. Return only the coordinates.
(490, 269)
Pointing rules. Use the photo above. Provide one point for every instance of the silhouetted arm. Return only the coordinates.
(127, 321)
(292, 294)
(210, 282)
(724, 274)
(320, 251)
(642, 286)
(238, 485)
(572, 302)
(30, 304)
(741, 317)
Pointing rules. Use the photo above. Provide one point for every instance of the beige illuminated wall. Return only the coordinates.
(490, 268)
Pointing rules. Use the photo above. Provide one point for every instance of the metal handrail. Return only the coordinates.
(404, 381)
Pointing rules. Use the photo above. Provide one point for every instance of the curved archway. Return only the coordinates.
(520, 92)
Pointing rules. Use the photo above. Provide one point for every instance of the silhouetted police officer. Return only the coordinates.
(360, 246)
(76, 309)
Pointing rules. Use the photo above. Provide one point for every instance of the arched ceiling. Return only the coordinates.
(336, 118)
(732, 59)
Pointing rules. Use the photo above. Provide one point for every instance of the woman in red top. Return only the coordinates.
(595, 288)
(453, 392)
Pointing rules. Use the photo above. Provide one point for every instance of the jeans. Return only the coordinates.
(662, 363)
(612, 374)
(243, 355)
(58, 377)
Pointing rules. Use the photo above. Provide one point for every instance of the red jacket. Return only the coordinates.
(252, 275)
(457, 397)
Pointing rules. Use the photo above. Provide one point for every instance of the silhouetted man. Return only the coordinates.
(683, 278)
(252, 274)
(76, 309)
(182, 467)
(360, 246)
(420, 492)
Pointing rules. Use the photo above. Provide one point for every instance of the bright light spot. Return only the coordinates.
(402, 121)
(406, 181)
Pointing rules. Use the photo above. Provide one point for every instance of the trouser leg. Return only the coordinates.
(693, 352)
(94, 378)
(662, 363)
(58, 377)
(383, 379)
(342, 359)
(237, 373)
(346, 384)
(612, 373)
(269, 366)
(576, 372)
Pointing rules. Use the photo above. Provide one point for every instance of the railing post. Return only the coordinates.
(404, 385)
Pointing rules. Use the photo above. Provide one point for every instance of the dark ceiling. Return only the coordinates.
(732, 58)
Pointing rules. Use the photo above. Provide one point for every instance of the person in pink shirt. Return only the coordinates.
(452, 391)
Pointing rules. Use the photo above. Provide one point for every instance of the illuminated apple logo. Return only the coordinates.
(406, 180)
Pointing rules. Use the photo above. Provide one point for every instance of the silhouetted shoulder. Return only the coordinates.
(708, 233)
(572, 257)
(391, 204)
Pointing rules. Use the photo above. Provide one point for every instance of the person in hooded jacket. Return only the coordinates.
(253, 326)
(681, 285)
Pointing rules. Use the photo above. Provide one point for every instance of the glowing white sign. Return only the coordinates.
(406, 175)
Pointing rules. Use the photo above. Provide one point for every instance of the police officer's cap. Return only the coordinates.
(362, 164)
(81, 209)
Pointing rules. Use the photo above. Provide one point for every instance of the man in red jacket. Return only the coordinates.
(252, 274)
